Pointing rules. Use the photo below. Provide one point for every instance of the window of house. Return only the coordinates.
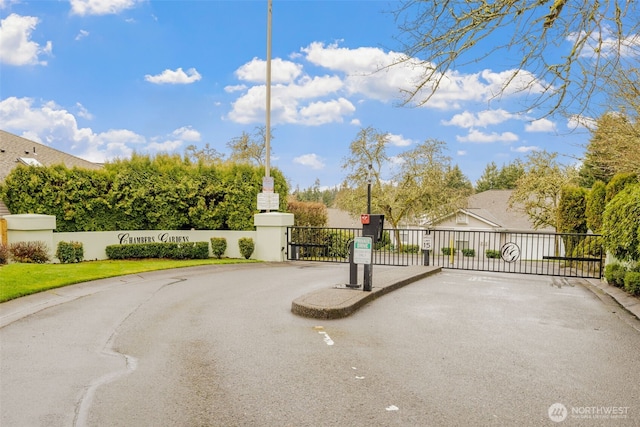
(462, 218)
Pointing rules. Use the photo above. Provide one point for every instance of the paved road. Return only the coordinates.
(218, 346)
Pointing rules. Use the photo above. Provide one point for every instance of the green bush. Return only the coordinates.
(70, 252)
(632, 282)
(446, 251)
(385, 242)
(246, 246)
(339, 243)
(621, 224)
(188, 250)
(492, 253)
(29, 252)
(469, 252)
(410, 249)
(218, 246)
(4, 254)
(614, 273)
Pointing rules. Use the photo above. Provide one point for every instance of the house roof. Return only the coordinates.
(492, 207)
(337, 218)
(15, 150)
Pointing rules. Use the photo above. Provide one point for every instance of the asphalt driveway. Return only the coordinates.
(219, 346)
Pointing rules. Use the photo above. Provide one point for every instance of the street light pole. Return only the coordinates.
(369, 190)
(268, 94)
(267, 142)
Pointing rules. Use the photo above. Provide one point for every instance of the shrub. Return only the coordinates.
(218, 246)
(246, 246)
(188, 250)
(4, 254)
(614, 273)
(446, 251)
(632, 282)
(621, 224)
(29, 252)
(384, 242)
(339, 244)
(492, 253)
(70, 252)
(469, 252)
(410, 249)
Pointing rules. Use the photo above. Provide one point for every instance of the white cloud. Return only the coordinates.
(101, 7)
(481, 119)
(53, 125)
(318, 113)
(364, 73)
(5, 3)
(461, 152)
(575, 122)
(165, 146)
(483, 138)
(83, 112)
(16, 46)
(398, 140)
(82, 34)
(541, 125)
(174, 77)
(606, 43)
(310, 160)
(525, 148)
(235, 88)
(187, 133)
(281, 71)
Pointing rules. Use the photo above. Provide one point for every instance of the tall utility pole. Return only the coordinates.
(267, 170)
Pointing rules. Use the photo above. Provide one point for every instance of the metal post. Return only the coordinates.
(368, 268)
(369, 190)
(353, 267)
(267, 171)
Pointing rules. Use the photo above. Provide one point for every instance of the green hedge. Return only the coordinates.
(69, 252)
(189, 250)
(492, 253)
(469, 252)
(614, 273)
(246, 246)
(163, 192)
(632, 282)
(218, 246)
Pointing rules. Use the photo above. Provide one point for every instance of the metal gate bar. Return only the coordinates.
(553, 254)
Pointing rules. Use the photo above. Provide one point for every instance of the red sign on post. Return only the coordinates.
(365, 219)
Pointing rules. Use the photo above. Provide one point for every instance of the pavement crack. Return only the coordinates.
(130, 364)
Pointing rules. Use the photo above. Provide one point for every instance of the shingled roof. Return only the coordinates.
(491, 207)
(15, 150)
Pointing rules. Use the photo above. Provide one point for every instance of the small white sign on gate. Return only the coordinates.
(427, 242)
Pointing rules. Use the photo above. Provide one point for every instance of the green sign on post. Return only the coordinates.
(362, 250)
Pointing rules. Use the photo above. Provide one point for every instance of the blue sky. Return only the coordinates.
(101, 79)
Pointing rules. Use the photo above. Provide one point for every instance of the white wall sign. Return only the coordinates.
(268, 201)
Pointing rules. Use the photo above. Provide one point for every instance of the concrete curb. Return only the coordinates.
(626, 301)
(336, 303)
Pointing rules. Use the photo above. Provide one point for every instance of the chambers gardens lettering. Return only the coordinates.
(127, 239)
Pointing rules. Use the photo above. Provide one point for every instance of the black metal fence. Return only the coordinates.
(573, 255)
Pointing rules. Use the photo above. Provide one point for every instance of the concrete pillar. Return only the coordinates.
(31, 228)
(271, 239)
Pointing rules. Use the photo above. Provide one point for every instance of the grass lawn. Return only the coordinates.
(18, 280)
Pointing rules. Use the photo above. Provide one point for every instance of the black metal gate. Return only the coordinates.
(554, 254)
